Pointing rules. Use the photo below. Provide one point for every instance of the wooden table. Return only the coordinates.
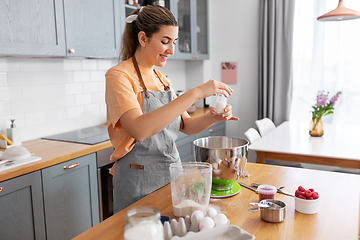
(290, 141)
(338, 216)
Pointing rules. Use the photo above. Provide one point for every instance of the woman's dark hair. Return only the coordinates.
(149, 20)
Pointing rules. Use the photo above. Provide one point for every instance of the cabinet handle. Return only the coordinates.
(72, 166)
(212, 130)
(71, 50)
(1, 189)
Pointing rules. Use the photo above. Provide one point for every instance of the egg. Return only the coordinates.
(206, 223)
(210, 212)
(198, 214)
(220, 219)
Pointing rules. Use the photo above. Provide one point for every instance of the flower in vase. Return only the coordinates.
(323, 105)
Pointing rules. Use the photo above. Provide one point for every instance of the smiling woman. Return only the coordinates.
(144, 116)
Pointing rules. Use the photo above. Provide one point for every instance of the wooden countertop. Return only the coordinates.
(337, 218)
(51, 153)
(54, 152)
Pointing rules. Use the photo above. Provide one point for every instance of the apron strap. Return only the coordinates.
(139, 76)
(166, 87)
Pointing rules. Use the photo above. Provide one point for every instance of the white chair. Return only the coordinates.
(265, 126)
(252, 135)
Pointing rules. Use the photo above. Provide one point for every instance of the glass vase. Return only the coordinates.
(316, 128)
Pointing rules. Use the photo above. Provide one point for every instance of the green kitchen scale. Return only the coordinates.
(224, 188)
(230, 187)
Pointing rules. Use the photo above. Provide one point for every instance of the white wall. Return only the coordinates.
(53, 95)
(234, 36)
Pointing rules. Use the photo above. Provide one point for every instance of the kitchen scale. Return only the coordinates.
(231, 188)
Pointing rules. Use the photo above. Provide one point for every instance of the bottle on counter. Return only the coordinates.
(143, 223)
(13, 133)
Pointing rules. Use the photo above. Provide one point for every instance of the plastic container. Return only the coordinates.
(220, 104)
(190, 187)
(143, 223)
(306, 206)
(266, 192)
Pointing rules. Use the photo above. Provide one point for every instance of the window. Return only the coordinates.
(326, 56)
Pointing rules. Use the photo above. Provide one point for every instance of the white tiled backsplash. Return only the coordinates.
(53, 95)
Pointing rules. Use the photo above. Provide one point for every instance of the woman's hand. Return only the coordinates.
(212, 87)
(226, 116)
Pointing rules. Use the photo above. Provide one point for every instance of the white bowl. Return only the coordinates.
(306, 206)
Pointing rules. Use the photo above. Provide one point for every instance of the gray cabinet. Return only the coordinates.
(71, 197)
(192, 16)
(21, 211)
(32, 27)
(184, 142)
(92, 28)
(39, 27)
(218, 129)
(63, 197)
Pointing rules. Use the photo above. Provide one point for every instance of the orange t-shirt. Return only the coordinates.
(123, 93)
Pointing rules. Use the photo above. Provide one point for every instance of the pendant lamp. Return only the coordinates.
(339, 14)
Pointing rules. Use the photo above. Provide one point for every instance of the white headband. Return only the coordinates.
(133, 17)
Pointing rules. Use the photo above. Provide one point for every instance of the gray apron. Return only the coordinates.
(146, 167)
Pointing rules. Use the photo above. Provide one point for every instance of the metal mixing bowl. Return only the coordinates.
(227, 155)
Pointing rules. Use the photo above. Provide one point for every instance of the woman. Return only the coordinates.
(143, 115)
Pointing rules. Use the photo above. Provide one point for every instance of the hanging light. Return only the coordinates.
(339, 14)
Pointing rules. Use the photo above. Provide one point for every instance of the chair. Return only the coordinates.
(265, 126)
(252, 135)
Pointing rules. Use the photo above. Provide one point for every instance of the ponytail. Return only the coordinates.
(149, 20)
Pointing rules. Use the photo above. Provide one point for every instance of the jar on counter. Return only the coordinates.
(143, 223)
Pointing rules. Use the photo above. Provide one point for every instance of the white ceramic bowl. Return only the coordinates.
(306, 206)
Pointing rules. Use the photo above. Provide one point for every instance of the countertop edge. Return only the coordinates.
(71, 151)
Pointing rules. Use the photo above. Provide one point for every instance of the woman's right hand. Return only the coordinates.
(212, 87)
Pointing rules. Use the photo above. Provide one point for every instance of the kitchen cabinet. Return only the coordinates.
(21, 211)
(192, 16)
(185, 145)
(218, 129)
(32, 27)
(92, 28)
(75, 28)
(71, 202)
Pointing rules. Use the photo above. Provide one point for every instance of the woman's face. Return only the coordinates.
(160, 46)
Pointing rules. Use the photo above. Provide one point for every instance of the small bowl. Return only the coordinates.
(306, 206)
